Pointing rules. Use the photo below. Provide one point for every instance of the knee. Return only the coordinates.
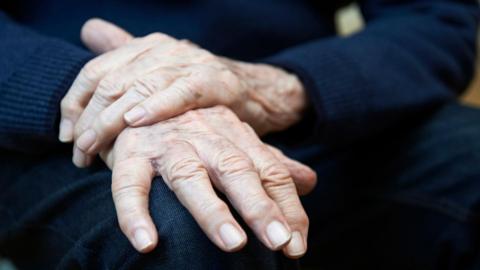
(397, 236)
(446, 145)
(176, 227)
(182, 243)
(456, 127)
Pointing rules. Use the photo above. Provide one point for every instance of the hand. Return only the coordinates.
(199, 149)
(146, 80)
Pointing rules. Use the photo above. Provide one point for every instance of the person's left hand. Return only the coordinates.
(145, 80)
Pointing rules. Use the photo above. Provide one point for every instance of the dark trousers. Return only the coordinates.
(408, 198)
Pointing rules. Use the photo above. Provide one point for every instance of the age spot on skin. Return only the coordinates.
(197, 95)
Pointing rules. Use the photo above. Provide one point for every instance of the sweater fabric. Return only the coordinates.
(412, 55)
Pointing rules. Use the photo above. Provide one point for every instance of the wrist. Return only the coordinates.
(281, 94)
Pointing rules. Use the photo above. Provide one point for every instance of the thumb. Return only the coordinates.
(101, 36)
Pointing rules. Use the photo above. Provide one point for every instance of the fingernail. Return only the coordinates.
(66, 131)
(296, 246)
(277, 234)
(135, 115)
(86, 140)
(230, 235)
(79, 158)
(142, 239)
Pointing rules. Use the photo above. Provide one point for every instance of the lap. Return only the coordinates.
(54, 215)
(408, 199)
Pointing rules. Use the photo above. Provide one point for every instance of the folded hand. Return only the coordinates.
(145, 80)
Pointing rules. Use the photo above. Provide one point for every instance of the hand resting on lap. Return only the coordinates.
(194, 150)
(194, 153)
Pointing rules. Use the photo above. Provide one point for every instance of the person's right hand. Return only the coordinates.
(197, 151)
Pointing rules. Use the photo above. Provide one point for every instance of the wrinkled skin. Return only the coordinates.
(194, 153)
(141, 81)
(194, 150)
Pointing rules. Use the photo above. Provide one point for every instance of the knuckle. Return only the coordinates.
(303, 220)
(105, 122)
(157, 36)
(212, 208)
(184, 171)
(228, 163)
(91, 70)
(188, 43)
(186, 166)
(66, 103)
(181, 46)
(255, 209)
(80, 126)
(205, 56)
(100, 98)
(298, 218)
(194, 115)
(144, 87)
(275, 173)
(224, 111)
(122, 191)
(69, 107)
(109, 89)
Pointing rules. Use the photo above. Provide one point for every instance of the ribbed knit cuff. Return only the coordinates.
(30, 98)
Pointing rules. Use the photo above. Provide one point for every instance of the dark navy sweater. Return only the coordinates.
(412, 55)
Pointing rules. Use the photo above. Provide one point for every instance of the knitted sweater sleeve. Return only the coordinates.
(35, 73)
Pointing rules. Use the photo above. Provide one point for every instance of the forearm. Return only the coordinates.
(411, 57)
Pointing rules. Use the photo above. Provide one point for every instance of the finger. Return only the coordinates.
(230, 169)
(284, 194)
(304, 177)
(131, 182)
(102, 121)
(101, 36)
(185, 174)
(107, 125)
(276, 180)
(107, 156)
(280, 187)
(81, 91)
(80, 159)
(197, 90)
